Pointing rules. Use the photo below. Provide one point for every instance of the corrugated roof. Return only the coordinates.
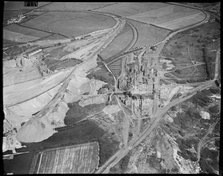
(82, 158)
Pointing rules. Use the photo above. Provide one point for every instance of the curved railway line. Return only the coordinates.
(65, 81)
(160, 112)
(105, 168)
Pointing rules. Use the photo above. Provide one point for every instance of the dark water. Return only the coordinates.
(83, 132)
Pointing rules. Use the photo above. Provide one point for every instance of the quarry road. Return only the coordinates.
(203, 140)
(160, 112)
(123, 52)
(22, 96)
(13, 98)
(157, 117)
(193, 7)
(114, 58)
(217, 64)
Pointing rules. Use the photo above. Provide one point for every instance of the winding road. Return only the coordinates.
(160, 111)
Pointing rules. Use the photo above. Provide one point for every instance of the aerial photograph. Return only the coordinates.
(111, 87)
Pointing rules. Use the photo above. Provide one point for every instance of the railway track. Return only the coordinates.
(157, 117)
(125, 51)
(66, 80)
(160, 112)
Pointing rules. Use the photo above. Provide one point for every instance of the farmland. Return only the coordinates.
(72, 159)
(13, 9)
(17, 37)
(64, 22)
(193, 53)
(128, 9)
(148, 34)
(26, 31)
(119, 43)
(8, 14)
(114, 91)
(18, 5)
(170, 16)
(75, 6)
(7, 43)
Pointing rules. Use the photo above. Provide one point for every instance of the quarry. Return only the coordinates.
(119, 87)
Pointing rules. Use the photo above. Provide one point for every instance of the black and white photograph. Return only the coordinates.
(111, 87)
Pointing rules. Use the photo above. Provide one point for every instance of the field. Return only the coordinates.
(16, 76)
(116, 67)
(171, 17)
(84, 132)
(54, 37)
(148, 35)
(102, 75)
(7, 43)
(8, 14)
(193, 52)
(64, 22)
(16, 93)
(128, 9)
(71, 159)
(191, 74)
(13, 9)
(119, 43)
(160, 14)
(75, 6)
(16, 5)
(26, 31)
(17, 37)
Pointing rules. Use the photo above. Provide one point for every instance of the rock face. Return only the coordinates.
(37, 104)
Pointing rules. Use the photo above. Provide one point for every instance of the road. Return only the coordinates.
(202, 141)
(160, 111)
(128, 47)
(157, 117)
(158, 114)
(197, 8)
(38, 89)
(125, 51)
(217, 64)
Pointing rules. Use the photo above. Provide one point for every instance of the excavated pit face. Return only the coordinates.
(78, 105)
(61, 77)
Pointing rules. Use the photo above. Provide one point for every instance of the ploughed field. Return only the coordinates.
(86, 131)
(40, 25)
(75, 6)
(160, 14)
(71, 24)
(123, 39)
(71, 159)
